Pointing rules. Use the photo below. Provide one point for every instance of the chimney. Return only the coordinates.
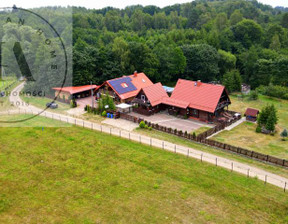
(199, 83)
(135, 74)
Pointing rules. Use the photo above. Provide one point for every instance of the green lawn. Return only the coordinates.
(4, 101)
(75, 175)
(281, 105)
(41, 102)
(200, 130)
(245, 136)
(181, 141)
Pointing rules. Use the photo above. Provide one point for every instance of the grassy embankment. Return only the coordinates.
(75, 175)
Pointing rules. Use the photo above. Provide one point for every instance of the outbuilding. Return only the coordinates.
(251, 114)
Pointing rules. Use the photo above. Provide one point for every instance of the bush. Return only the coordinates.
(284, 134)
(258, 129)
(104, 113)
(142, 124)
(253, 95)
(185, 116)
(73, 103)
(274, 91)
(194, 135)
(150, 128)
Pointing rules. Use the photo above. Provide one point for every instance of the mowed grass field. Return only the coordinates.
(4, 101)
(245, 135)
(281, 106)
(74, 175)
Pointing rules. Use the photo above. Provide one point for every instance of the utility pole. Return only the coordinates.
(92, 94)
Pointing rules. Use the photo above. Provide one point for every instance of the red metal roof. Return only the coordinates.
(203, 97)
(175, 103)
(251, 112)
(155, 93)
(140, 81)
(75, 89)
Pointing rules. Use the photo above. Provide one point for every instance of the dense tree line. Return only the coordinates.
(231, 41)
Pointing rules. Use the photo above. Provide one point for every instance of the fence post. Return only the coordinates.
(202, 157)
(120, 133)
(83, 123)
(216, 161)
(248, 172)
(175, 148)
(265, 179)
(129, 135)
(162, 145)
(140, 139)
(91, 125)
(111, 131)
(232, 166)
(188, 152)
(151, 142)
(285, 186)
(101, 127)
(75, 122)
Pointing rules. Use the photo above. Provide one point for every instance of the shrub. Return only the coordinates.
(181, 132)
(284, 134)
(146, 126)
(253, 95)
(175, 130)
(142, 124)
(150, 128)
(258, 129)
(185, 133)
(194, 135)
(104, 113)
(185, 116)
(73, 103)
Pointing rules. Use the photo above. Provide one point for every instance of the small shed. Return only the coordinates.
(251, 114)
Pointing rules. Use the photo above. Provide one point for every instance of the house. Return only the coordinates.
(74, 92)
(149, 99)
(198, 100)
(124, 89)
(251, 114)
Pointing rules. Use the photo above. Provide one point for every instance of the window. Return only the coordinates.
(143, 97)
(124, 85)
(143, 80)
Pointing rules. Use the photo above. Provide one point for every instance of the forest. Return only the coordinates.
(228, 41)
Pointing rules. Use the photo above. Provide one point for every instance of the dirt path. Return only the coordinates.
(242, 168)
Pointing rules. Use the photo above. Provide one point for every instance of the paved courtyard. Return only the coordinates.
(82, 102)
(169, 121)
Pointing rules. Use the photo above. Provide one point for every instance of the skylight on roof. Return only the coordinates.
(124, 85)
(143, 80)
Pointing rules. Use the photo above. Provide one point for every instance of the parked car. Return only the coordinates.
(52, 105)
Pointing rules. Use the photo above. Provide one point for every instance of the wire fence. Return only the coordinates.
(250, 172)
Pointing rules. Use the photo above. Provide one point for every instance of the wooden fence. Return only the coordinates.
(202, 138)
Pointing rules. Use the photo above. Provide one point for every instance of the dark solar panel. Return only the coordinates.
(117, 85)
